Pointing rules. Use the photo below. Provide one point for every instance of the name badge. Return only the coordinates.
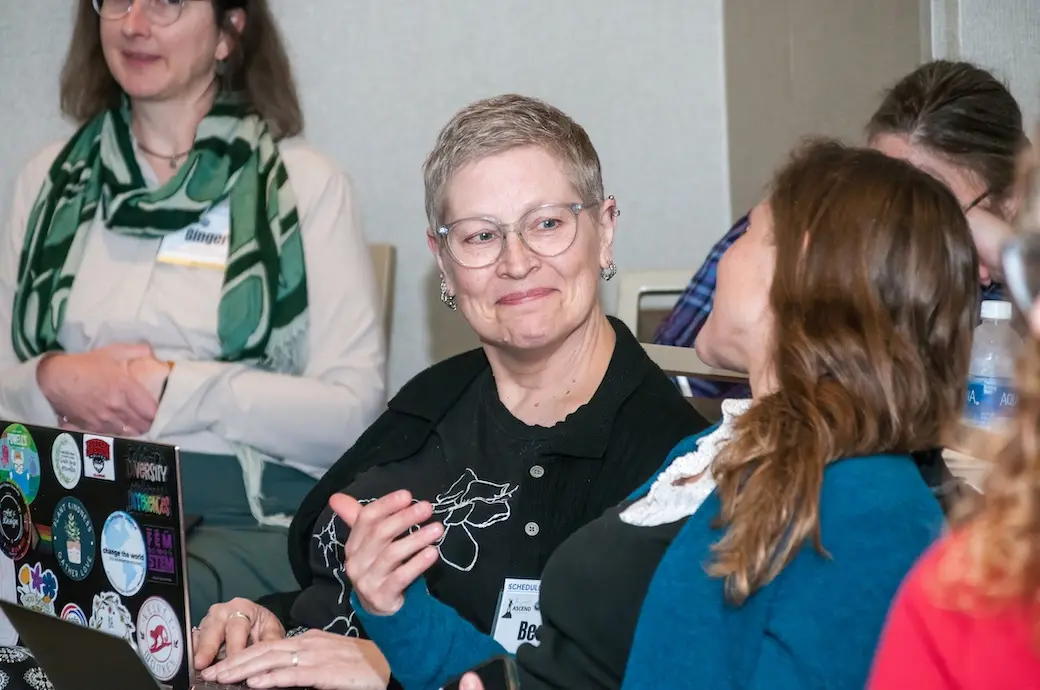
(201, 244)
(518, 616)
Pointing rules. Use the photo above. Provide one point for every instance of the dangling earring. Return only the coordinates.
(450, 300)
(609, 272)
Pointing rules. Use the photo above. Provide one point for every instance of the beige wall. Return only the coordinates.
(798, 67)
(657, 83)
(1003, 36)
(380, 77)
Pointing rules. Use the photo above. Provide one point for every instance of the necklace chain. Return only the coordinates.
(171, 158)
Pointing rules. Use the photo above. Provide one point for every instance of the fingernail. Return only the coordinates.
(209, 673)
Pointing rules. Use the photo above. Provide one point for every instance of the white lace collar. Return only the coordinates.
(668, 501)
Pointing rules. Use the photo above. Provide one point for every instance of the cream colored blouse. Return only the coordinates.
(123, 295)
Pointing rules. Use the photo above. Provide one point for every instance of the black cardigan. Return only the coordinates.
(645, 399)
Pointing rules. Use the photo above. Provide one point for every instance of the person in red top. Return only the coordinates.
(968, 614)
(934, 641)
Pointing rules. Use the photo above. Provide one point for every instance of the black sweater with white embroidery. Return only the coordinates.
(507, 493)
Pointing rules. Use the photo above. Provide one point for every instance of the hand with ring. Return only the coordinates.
(315, 659)
(233, 625)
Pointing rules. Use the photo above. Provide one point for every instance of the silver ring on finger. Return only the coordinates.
(295, 659)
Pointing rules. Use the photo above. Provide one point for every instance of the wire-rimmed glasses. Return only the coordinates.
(160, 12)
(547, 231)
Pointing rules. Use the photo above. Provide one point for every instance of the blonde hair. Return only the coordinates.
(997, 552)
(873, 300)
(495, 125)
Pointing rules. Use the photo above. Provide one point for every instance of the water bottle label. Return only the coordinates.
(990, 400)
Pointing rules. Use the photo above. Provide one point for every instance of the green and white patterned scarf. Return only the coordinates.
(262, 314)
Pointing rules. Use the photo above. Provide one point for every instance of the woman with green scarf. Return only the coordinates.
(187, 270)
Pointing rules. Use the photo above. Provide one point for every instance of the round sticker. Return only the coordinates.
(123, 553)
(160, 642)
(15, 523)
(19, 461)
(66, 461)
(73, 538)
(74, 614)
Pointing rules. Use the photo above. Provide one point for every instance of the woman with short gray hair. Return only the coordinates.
(557, 417)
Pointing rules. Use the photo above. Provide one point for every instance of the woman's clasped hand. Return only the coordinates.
(113, 389)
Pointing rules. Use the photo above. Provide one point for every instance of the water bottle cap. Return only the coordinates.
(996, 309)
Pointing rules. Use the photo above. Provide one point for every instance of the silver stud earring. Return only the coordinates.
(450, 300)
(617, 211)
(609, 272)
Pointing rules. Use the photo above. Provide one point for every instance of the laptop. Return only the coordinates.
(95, 527)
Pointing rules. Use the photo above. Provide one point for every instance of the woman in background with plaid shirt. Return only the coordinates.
(954, 120)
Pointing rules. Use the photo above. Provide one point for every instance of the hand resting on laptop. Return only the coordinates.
(233, 625)
(257, 650)
(315, 659)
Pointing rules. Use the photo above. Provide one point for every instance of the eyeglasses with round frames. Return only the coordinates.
(547, 231)
(160, 12)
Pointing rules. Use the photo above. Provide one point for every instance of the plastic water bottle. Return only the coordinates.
(992, 396)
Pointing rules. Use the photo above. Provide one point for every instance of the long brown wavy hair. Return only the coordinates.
(998, 553)
(258, 68)
(874, 299)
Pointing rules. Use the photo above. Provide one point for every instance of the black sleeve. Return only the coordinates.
(325, 602)
(280, 604)
(364, 454)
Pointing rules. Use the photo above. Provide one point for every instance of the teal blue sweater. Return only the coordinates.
(814, 626)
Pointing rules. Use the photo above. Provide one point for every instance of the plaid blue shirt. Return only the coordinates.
(691, 311)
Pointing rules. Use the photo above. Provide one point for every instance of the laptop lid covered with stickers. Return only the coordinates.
(70, 654)
(94, 527)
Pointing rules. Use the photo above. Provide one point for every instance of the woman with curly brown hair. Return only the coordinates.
(968, 615)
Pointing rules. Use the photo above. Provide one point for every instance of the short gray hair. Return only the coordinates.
(498, 124)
